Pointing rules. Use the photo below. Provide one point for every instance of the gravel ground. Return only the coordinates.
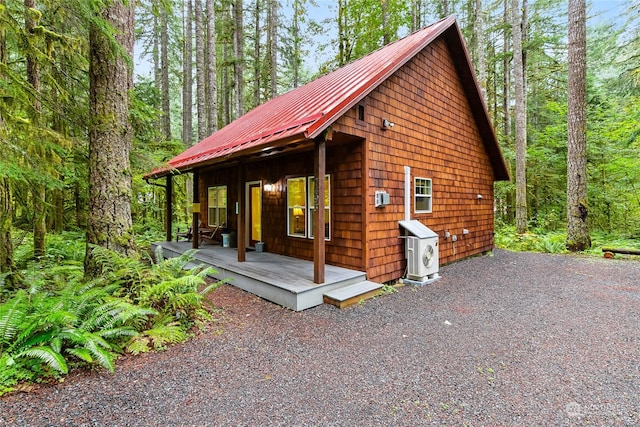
(509, 339)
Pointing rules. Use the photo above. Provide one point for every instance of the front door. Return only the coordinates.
(254, 212)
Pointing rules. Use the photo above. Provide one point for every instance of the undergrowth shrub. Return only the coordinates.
(59, 320)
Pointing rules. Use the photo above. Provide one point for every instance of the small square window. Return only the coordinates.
(423, 195)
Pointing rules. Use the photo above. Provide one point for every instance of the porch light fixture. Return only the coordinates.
(269, 188)
(387, 124)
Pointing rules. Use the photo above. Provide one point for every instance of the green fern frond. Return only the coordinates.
(81, 353)
(12, 314)
(163, 334)
(46, 355)
(104, 357)
(117, 333)
(139, 344)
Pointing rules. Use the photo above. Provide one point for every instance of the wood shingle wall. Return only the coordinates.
(436, 135)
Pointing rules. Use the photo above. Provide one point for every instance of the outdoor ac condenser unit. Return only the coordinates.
(422, 258)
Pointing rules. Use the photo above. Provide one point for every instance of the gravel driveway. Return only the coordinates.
(509, 339)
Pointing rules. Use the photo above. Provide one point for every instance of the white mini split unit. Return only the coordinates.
(421, 252)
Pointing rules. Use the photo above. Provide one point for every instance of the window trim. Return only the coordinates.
(217, 222)
(307, 208)
(311, 205)
(417, 196)
(292, 207)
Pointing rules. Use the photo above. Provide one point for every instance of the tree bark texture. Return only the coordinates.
(164, 69)
(212, 77)
(187, 80)
(38, 191)
(238, 63)
(200, 72)
(273, 46)
(256, 55)
(481, 62)
(110, 135)
(520, 120)
(7, 264)
(578, 238)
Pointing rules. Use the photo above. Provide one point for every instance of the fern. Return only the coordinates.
(46, 355)
(11, 317)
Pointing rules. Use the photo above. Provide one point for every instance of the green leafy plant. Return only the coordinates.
(59, 320)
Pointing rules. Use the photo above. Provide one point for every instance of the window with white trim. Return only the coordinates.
(217, 206)
(422, 195)
(327, 206)
(300, 205)
(297, 207)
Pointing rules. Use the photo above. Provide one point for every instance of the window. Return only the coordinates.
(422, 191)
(300, 205)
(217, 206)
(327, 205)
(296, 207)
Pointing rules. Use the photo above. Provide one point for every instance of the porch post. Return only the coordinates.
(318, 212)
(195, 241)
(169, 207)
(242, 227)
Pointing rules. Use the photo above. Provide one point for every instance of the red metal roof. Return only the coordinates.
(305, 112)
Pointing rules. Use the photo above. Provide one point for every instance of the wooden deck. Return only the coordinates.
(283, 280)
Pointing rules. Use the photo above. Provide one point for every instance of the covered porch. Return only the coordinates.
(283, 280)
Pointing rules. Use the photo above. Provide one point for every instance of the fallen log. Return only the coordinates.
(624, 251)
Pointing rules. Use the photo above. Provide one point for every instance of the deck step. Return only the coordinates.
(352, 294)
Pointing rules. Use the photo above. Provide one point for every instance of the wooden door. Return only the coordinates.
(254, 212)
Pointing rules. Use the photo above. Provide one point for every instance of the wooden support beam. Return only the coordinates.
(169, 208)
(195, 224)
(242, 226)
(320, 167)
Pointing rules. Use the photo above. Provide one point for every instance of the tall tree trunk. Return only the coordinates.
(164, 69)
(238, 63)
(296, 59)
(273, 46)
(416, 13)
(520, 120)
(38, 192)
(200, 73)
(212, 82)
(157, 63)
(506, 95)
(386, 34)
(256, 56)
(187, 80)
(481, 63)
(7, 264)
(110, 135)
(187, 91)
(578, 238)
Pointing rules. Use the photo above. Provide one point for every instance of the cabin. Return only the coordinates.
(352, 168)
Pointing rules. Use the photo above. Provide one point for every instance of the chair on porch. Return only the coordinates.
(184, 234)
(209, 235)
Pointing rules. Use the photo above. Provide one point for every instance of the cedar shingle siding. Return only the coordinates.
(435, 134)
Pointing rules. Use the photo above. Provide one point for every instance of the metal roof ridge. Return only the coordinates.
(377, 79)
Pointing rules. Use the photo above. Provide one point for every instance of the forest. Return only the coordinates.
(94, 94)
